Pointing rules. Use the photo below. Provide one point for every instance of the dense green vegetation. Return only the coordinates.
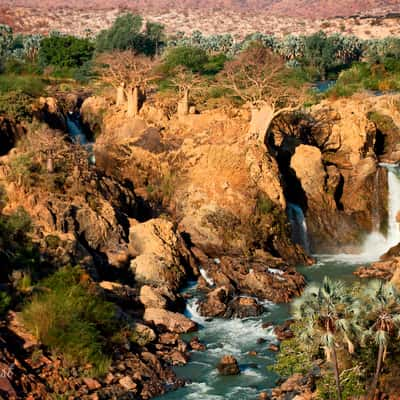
(65, 51)
(352, 334)
(127, 33)
(69, 317)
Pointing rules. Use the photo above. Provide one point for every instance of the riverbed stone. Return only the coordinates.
(228, 365)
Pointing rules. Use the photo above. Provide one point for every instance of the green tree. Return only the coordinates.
(319, 53)
(192, 58)
(65, 51)
(155, 37)
(327, 312)
(122, 35)
(382, 316)
(127, 34)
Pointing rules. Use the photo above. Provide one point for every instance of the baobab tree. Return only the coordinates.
(129, 74)
(185, 81)
(257, 77)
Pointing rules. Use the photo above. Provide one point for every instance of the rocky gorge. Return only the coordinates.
(174, 199)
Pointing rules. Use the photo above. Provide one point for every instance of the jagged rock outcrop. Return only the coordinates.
(264, 277)
(344, 192)
(159, 251)
(204, 169)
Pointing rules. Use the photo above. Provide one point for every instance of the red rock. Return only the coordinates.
(7, 388)
(273, 347)
(127, 383)
(92, 384)
(228, 365)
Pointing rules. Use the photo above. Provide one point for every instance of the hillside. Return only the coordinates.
(292, 8)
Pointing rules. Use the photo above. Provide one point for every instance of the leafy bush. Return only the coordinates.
(5, 302)
(195, 59)
(72, 319)
(17, 251)
(65, 51)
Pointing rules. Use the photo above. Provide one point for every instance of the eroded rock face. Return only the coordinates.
(158, 247)
(338, 171)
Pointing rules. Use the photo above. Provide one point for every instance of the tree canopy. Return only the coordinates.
(65, 51)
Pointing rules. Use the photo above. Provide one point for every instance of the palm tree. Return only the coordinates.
(328, 312)
(383, 317)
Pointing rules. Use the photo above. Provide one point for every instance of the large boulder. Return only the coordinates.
(151, 298)
(172, 322)
(158, 248)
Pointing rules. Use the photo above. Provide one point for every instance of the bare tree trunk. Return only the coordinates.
(183, 104)
(377, 371)
(50, 165)
(336, 370)
(120, 95)
(133, 101)
(261, 120)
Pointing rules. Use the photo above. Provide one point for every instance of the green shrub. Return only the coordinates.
(5, 302)
(21, 252)
(30, 85)
(65, 51)
(72, 319)
(52, 241)
(352, 384)
(192, 58)
(264, 205)
(17, 105)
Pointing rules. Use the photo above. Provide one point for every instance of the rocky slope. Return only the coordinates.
(173, 198)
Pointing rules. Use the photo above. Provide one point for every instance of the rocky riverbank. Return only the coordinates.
(177, 198)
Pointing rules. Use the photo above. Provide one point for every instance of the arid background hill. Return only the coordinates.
(293, 8)
(364, 18)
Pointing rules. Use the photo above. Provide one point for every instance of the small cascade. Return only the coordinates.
(75, 130)
(204, 274)
(299, 226)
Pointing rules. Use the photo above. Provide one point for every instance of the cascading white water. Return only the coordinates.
(299, 225)
(204, 274)
(377, 244)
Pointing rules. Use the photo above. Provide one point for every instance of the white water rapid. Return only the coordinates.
(299, 226)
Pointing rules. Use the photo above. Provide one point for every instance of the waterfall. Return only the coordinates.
(299, 226)
(376, 243)
(75, 130)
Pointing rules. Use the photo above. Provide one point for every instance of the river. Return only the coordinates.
(239, 336)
